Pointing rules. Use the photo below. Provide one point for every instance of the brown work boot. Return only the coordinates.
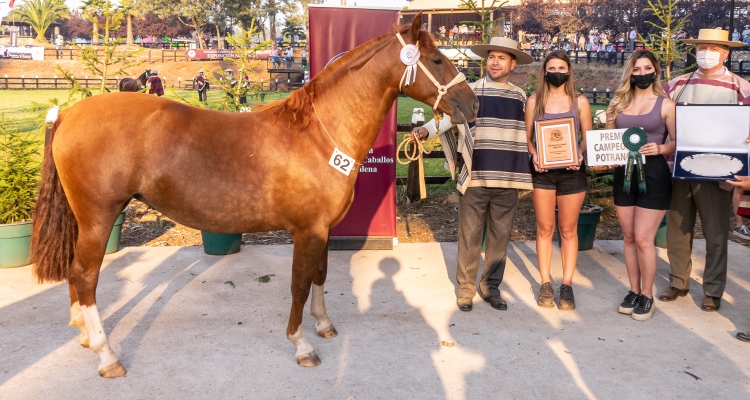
(671, 293)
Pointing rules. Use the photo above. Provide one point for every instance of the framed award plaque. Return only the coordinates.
(556, 143)
(711, 141)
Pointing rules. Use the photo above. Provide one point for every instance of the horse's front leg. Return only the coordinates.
(323, 326)
(308, 246)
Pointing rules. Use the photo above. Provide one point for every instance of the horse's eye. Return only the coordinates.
(437, 61)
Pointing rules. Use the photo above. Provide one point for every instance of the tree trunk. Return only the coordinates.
(201, 42)
(95, 34)
(272, 28)
(218, 37)
(129, 28)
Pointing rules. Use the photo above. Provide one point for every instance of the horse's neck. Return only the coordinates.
(353, 104)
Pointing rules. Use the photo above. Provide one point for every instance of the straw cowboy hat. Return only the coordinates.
(714, 36)
(502, 44)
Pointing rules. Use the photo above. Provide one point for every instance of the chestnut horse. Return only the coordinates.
(271, 168)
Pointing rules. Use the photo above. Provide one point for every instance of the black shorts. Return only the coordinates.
(563, 181)
(658, 186)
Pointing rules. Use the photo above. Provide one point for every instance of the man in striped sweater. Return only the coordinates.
(712, 83)
(493, 165)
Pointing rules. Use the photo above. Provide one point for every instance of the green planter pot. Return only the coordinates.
(220, 244)
(114, 237)
(661, 235)
(587, 222)
(15, 244)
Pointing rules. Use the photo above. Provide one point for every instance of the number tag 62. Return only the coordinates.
(341, 162)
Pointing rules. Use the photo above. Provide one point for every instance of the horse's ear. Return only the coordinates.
(416, 26)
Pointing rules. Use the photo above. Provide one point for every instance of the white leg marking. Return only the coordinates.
(303, 347)
(98, 342)
(76, 320)
(318, 308)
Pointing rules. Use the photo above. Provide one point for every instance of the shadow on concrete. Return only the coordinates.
(53, 311)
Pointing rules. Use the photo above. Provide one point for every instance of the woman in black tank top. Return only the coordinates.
(565, 188)
(641, 102)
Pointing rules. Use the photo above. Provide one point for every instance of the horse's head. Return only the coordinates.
(432, 78)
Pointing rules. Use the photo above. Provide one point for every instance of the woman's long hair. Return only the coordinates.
(542, 91)
(625, 93)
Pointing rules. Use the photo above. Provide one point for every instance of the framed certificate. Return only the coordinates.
(711, 141)
(556, 143)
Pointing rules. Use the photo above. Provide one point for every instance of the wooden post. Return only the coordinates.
(413, 192)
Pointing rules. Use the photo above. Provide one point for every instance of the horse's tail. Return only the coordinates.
(55, 227)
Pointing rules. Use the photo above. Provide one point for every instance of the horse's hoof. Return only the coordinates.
(308, 360)
(328, 333)
(115, 370)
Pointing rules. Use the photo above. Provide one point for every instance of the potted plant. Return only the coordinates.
(19, 176)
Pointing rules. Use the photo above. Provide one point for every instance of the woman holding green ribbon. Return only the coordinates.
(642, 190)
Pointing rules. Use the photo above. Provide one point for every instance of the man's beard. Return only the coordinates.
(501, 76)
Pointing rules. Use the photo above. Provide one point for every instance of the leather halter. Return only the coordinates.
(410, 74)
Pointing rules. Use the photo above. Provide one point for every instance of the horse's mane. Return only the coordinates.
(299, 104)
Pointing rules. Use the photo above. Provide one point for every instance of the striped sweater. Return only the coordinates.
(494, 153)
(723, 87)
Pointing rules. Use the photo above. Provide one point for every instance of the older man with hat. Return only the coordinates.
(201, 83)
(493, 164)
(712, 83)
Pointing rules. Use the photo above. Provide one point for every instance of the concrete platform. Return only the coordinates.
(183, 331)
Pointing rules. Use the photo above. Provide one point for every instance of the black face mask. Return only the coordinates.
(643, 81)
(556, 79)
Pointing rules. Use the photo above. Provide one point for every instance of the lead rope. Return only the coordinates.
(410, 58)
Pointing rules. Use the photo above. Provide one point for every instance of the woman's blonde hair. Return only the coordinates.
(625, 93)
(542, 91)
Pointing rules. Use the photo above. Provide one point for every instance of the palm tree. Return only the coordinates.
(40, 14)
(91, 10)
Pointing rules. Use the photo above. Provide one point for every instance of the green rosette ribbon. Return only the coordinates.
(634, 139)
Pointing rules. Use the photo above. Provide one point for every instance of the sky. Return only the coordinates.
(362, 3)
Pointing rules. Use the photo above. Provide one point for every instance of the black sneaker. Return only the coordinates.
(627, 305)
(567, 301)
(644, 308)
(546, 296)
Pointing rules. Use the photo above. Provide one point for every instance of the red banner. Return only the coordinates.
(335, 30)
(200, 54)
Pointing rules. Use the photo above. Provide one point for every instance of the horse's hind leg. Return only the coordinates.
(308, 247)
(323, 326)
(84, 276)
(76, 316)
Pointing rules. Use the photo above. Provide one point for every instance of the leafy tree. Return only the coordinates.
(40, 14)
(662, 43)
(237, 87)
(107, 63)
(76, 27)
(292, 28)
(192, 13)
(91, 10)
(19, 173)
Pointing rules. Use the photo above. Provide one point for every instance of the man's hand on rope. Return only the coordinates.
(415, 139)
(420, 133)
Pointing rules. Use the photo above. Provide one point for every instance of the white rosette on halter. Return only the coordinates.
(410, 58)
